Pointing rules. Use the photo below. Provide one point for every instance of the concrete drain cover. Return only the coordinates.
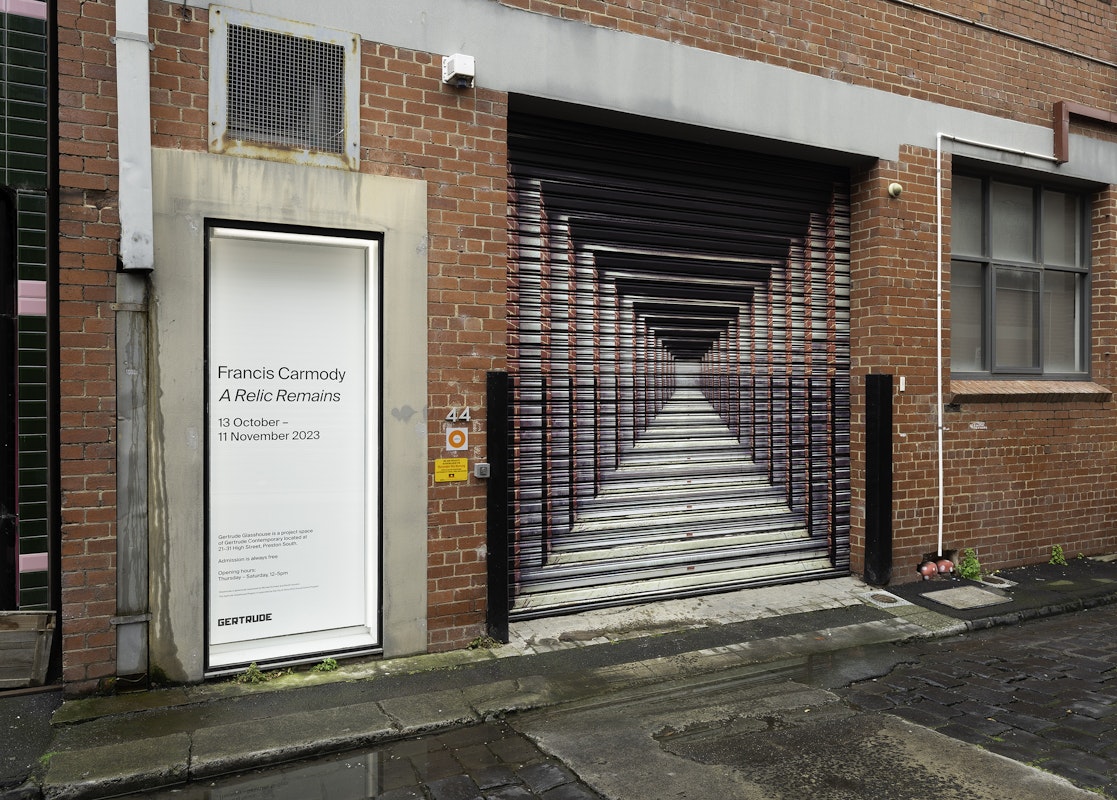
(883, 599)
(967, 597)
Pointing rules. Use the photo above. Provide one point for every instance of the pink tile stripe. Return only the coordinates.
(24, 8)
(32, 295)
(34, 562)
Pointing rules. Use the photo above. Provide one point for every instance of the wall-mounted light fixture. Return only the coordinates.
(458, 70)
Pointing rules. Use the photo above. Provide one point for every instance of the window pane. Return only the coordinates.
(1060, 229)
(1012, 222)
(966, 217)
(966, 310)
(1062, 341)
(1015, 330)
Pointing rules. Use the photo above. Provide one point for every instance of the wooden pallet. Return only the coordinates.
(25, 643)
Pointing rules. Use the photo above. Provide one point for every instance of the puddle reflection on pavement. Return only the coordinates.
(488, 761)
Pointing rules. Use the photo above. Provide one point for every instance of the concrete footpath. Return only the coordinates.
(144, 741)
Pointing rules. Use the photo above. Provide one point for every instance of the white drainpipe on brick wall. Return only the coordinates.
(938, 334)
(939, 259)
(133, 108)
(137, 256)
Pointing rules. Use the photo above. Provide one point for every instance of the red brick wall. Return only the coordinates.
(909, 311)
(415, 126)
(889, 44)
(179, 77)
(893, 331)
(412, 126)
(1039, 474)
(1022, 477)
(88, 246)
(1019, 477)
(870, 276)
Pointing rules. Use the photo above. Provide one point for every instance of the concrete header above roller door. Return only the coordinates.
(545, 57)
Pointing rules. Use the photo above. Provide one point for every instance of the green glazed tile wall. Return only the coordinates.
(23, 170)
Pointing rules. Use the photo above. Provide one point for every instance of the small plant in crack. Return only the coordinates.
(253, 674)
(968, 566)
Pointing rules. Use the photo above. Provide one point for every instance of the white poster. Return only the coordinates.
(291, 400)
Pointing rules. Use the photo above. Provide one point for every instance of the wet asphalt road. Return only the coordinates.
(1042, 693)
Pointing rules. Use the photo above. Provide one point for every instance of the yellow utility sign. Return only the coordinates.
(451, 469)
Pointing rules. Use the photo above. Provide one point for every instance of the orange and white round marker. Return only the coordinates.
(457, 438)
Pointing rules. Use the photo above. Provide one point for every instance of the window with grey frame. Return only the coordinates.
(1019, 279)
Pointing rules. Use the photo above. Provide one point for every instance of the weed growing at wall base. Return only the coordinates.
(968, 566)
(256, 675)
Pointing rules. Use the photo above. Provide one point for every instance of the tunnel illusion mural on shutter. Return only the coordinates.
(678, 368)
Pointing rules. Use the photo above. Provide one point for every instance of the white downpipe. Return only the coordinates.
(938, 339)
(939, 422)
(137, 257)
(133, 113)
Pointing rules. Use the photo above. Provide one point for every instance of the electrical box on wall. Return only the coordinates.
(459, 70)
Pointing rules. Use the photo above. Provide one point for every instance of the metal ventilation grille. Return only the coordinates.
(285, 91)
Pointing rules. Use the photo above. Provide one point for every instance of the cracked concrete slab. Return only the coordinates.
(117, 768)
(239, 745)
(431, 711)
(689, 741)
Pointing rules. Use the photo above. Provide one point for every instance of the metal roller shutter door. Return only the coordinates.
(678, 399)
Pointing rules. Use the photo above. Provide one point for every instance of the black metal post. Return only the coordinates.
(497, 522)
(878, 479)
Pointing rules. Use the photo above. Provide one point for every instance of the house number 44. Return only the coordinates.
(458, 415)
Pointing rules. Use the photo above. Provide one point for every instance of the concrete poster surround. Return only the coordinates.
(189, 189)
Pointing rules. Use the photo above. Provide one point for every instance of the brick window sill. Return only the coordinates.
(979, 391)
